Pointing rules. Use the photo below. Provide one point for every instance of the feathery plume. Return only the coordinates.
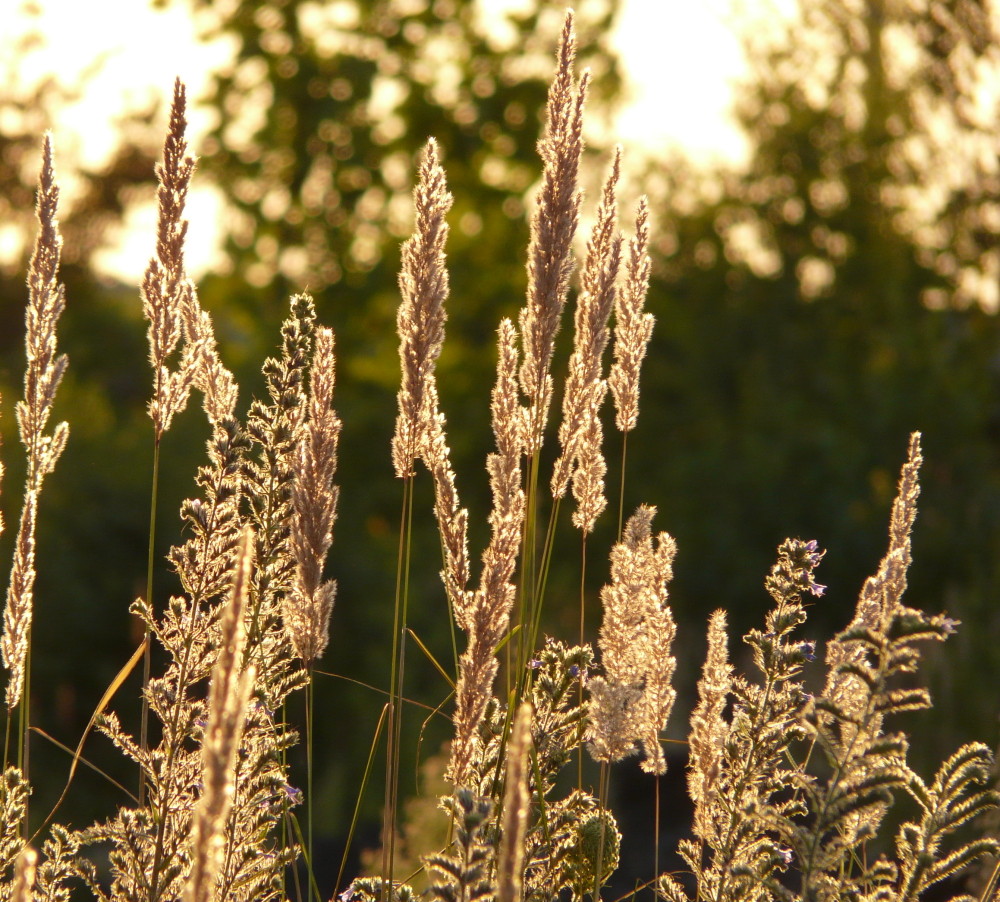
(165, 289)
(24, 875)
(307, 607)
(420, 432)
(633, 327)
(588, 478)
(44, 371)
(553, 227)
(579, 436)
(211, 378)
(708, 728)
(510, 858)
(504, 467)
(228, 696)
(632, 701)
(485, 614)
(423, 284)
(452, 519)
(170, 298)
(881, 593)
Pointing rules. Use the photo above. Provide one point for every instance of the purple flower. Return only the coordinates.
(574, 670)
(293, 794)
(535, 664)
(816, 589)
(808, 650)
(949, 625)
(814, 555)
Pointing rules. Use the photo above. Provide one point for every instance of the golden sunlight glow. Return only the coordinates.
(680, 60)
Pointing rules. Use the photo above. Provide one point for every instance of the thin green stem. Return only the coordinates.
(310, 696)
(583, 629)
(604, 784)
(24, 724)
(361, 793)
(6, 740)
(147, 656)
(621, 485)
(396, 686)
(656, 829)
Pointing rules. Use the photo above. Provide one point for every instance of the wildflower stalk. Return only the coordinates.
(419, 434)
(165, 290)
(43, 373)
(549, 265)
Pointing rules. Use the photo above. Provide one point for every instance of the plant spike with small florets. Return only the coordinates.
(46, 302)
(631, 703)
(865, 663)
(275, 430)
(307, 607)
(633, 327)
(485, 612)
(580, 433)
(463, 875)
(420, 425)
(736, 856)
(709, 727)
(553, 228)
(228, 696)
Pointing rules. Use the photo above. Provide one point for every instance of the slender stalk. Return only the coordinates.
(656, 829)
(396, 687)
(24, 724)
(583, 589)
(621, 486)
(361, 793)
(147, 657)
(603, 792)
(310, 698)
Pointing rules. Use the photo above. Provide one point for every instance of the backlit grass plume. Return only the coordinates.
(44, 372)
(793, 765)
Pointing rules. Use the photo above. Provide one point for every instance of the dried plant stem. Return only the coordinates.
(528, 588)
(514, 815)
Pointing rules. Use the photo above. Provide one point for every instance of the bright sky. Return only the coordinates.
(680, 59)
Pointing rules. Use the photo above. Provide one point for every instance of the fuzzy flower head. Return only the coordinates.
(792, 575)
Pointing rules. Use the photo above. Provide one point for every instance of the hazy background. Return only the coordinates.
(824, 184)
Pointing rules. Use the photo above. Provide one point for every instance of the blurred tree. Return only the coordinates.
(826, 299)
